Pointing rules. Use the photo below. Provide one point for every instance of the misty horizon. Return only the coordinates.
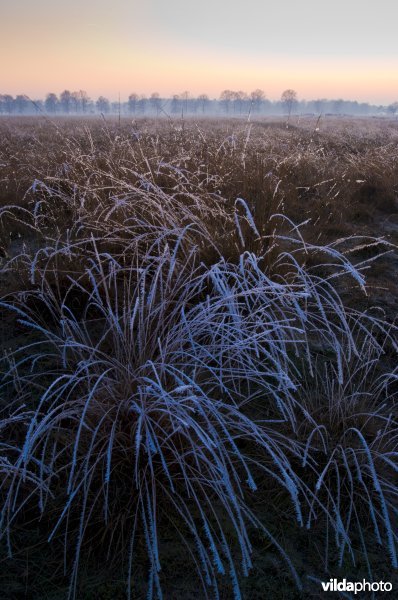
(228, 103)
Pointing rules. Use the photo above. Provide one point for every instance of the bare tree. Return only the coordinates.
(225, 98)
(51, 103)
(239, 99)
(103, 105)
(155, 102)
(84, 100)
(203, 100)
(65, 101)
(289, 100)
(132, 103)
(76, 101)
(257, 97)
(21, 103)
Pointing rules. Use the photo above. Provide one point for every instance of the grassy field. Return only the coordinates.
(199, 357)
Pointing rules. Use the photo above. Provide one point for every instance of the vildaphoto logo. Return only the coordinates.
(334, 585)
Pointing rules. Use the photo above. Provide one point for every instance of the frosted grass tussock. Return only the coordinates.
(156, 375)
(348, 449)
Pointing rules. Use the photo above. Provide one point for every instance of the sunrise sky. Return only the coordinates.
(341, 49)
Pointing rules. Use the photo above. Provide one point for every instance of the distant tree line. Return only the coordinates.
(229, 103)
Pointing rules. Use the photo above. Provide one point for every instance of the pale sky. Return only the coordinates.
(344, 48)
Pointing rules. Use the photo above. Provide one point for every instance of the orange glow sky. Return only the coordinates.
(321, 50)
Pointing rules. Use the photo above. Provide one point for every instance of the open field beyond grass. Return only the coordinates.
(198, 392)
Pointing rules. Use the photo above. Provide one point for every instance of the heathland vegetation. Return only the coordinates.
(199, 350)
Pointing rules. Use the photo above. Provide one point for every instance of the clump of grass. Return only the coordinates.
(351, 449)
